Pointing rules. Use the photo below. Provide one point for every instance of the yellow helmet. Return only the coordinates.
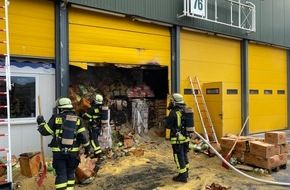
(64, 103)
(177, 98)
(98, 99)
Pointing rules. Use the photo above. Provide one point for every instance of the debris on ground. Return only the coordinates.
(146, 162)
(215, 186)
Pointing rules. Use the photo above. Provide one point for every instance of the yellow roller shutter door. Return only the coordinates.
(31, 28)
(268, 85)
(101, 38)
(213, 59)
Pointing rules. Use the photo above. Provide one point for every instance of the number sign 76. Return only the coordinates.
(198, 7)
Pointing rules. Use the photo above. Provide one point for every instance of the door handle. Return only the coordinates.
(221, 115)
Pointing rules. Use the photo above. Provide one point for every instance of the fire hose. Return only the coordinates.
(235, 169)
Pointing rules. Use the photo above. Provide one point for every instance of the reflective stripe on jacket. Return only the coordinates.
(175, 124)
(54, 128)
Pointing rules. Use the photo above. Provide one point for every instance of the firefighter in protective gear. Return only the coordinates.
(179, 137)
(65, 157)
(94, 117)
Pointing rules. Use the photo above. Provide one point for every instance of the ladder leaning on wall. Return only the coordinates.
(205, 119)
(5, 131)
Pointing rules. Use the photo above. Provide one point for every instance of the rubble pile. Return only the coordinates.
(138, 110)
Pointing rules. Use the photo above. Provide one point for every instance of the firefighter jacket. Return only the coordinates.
(94, 115)
(175, 129)
(54, 128)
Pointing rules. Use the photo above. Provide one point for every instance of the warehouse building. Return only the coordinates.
(139, 52)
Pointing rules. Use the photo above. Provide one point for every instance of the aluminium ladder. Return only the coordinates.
(205, 120)
(5, 130)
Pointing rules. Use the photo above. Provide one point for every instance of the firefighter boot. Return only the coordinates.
(186, 173)
(100, 159)
(181, 177)
(96, 169)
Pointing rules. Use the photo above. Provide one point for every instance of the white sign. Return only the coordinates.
(197, 7)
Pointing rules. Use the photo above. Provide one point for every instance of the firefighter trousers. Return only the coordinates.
(65, 165)
(180, 157)
(94, 136)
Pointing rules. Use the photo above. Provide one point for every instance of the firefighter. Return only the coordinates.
(176, 132)
(69, 135)
(94, 117)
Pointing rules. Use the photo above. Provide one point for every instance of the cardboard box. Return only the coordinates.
(128, 142)
(249, 158)
(30, 163)
(283, 158)
(263, 149)
(276, 137)
(267, 163)
(2, 170)
(240, 156)
(225, 152)
(227, 143)
(85, 169)
(284, 148)
(242, 145)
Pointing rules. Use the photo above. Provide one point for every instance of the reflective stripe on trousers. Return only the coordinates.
(65, 165)
(180, 157)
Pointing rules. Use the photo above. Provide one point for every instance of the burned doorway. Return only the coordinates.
(136, 94)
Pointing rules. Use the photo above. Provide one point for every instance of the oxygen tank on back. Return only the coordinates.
(189, 120)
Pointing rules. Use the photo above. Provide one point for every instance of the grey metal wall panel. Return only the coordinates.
(278, 23)
(272, 16)
(287, 22)
(222, 17)
(267, 21)
(256, 35)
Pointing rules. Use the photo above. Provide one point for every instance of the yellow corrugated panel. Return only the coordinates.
(79, 64)
(213, 59)
(31, 28)
(267, 71)
(93, 19)
(100, 38)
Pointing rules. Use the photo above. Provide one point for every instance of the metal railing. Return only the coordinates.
(231, 13)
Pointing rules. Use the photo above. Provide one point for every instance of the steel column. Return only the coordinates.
(61, 49)
(245, 84)
(288, 87)
(175, 59)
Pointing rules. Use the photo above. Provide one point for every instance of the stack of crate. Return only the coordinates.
(242, 147)
(269, 152)
(160, 108)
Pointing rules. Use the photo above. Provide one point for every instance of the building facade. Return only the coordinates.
(241, 58)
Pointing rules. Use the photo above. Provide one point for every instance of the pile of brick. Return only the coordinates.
(269, 152)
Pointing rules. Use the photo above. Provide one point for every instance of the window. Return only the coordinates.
(280, 91)
(22, 97)
(212, 91)
(268, 92)
(232, 91)
(189, 91)
(254, 91)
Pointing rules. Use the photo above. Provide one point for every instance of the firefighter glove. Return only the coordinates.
(40, 119)
(87, 151)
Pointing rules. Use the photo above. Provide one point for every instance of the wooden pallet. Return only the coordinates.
(277, 169)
